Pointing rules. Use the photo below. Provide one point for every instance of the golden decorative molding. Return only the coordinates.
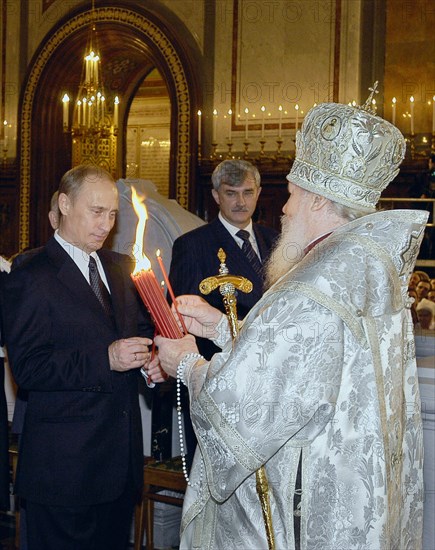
(141, 23)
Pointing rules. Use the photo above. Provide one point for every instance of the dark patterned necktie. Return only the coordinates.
(248, 249)
(99, 287)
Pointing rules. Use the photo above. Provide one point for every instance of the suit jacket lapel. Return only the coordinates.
(262, 247)
(71, 276)
(117, 287)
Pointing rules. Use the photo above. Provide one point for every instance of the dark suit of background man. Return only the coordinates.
(4, 456)
(236, 188)
(78, 355)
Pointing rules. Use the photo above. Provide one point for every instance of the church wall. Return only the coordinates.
(410, 63)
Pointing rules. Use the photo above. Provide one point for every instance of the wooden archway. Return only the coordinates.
(134, 39)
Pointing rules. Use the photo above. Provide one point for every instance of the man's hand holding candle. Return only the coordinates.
(129, 353)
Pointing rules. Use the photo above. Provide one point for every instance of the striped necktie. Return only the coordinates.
(99, 287)
(249, 251)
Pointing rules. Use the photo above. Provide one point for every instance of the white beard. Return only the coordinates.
(288, 251)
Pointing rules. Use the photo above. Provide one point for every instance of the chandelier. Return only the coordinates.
(94, 124)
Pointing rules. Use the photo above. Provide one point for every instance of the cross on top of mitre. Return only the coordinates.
(368, 105)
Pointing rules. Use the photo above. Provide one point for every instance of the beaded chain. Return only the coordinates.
(180, 379)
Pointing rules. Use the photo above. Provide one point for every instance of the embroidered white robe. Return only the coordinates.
(324, 368)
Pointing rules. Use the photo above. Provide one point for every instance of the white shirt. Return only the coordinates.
(232, 229)
(81, 258)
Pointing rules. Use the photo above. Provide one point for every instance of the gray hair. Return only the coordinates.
(234, 173)
(345, 212)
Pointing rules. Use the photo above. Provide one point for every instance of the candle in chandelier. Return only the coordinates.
(433, 115)
(115, 111)
(79, 114)
(246, 123)
(199, 127)
(85, 112)
(103, 110)
(411, 99)
(87, 62)
(91, 112)
(393, 110)
(297, 117)
(230, 112)
(263, 110)
(280, 121)
(65, 101)
(214, 135)
(98, 107)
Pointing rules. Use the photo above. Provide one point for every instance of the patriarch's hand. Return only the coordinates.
(199, 316)
(171, 352)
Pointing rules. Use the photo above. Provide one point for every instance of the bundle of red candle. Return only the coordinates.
(155, 301)
(146, 283)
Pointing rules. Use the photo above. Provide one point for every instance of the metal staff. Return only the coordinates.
(227, 285)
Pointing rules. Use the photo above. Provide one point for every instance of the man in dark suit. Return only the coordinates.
(236, 188)
(72, 320)
(4, 457)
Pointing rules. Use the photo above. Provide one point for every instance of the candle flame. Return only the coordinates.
(142, 262)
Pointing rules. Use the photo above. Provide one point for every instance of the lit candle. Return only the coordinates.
(89, 119)
(65, 101)
(280, 121)
(263, 109)
(411, 99)
(115, 111)
(230, 112)
(146, 282)
(199, 127)
(6, 134)
(99, 107)
(433, 115)
(393, 111)
(85, 111)
(215, 114)
(103, 113)
(246, 123)
(79, 114)
(297, 117)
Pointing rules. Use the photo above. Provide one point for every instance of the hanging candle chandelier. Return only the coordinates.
(94, 122)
